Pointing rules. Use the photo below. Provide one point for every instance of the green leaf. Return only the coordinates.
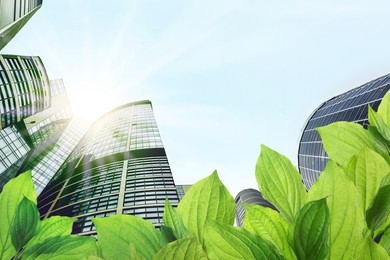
(93, 257)
(134, 254)
(116, 233)
(383, 228)
(268, 224)
(384, 109)
(347, 224)
(24, 224)
(174, 221)
(344, 139)
(378, 139)
(167, 234)
(377, 121)
(226, 242)
(186, 248)
(368, 249)
(385, 241)
(385, 180)
(379, 210)
(51, 227)
(310, 235)
(207, 200)
(280, 183)
(61, 247)
(366, 170)
(12, 195)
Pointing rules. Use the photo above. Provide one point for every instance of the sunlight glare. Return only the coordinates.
(90, 101)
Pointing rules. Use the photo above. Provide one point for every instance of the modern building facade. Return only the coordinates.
(119, 167)
(182, 190)
(249, 196)
(34, 113)
(14, 14)
(351, 106)
(46, 160)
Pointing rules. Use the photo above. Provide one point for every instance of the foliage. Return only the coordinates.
(345, 215)
(24, 236)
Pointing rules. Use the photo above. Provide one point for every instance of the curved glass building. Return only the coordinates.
(250, 196)
(119, 167)
(34, 114)
(350, 106)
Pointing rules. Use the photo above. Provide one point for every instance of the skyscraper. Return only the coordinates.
(350, 106)
(34, 113)
(119, 167)
(250, 196)
(14, 14)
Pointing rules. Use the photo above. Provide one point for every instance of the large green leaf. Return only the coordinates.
(167, 234)
(12, 195)
(344, 139)
(186, 248)
(377, 121)
(268, 224)
(384, 109)
(51, 227)
(347, 224)
(368, 249)
(24, 224)
(226, 242)
(134, 254)
(117, 233)
(207, 200)
(382, 229)
(366, 170)
(379, 141)
(310, 233)
(379, 210)
(280, 183)
(385, 180)
(174, 221)
(61, 247)
(385, 241)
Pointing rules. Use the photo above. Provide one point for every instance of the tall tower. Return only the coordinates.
(350, 106)
(34, 112)
(14, 14)
(119, 167)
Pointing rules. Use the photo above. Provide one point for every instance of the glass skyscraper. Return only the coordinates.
(34, 113)
(119, 167)
(14, 14)
(350, 106)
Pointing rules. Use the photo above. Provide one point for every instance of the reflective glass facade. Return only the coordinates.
(350, 106)
(13, 150)
(14, 14)
(47, 160)
(34, 115)
(119, 167)
(250, 196)
(24, 88)
(182, 190)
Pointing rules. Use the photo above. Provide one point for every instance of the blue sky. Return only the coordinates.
(223, 76)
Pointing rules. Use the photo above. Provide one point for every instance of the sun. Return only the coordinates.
(89, 100)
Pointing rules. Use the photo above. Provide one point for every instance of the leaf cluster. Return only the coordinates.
(345, 215)
(24, 236)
